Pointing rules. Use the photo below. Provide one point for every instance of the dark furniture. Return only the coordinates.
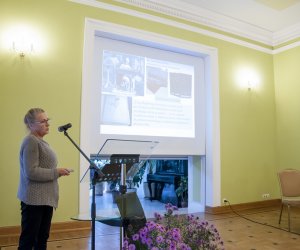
(160, 179)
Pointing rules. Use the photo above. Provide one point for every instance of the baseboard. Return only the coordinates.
(68, 226)
(71, 226)
(243, 206)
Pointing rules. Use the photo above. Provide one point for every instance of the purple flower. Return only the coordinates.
(183, 246)
(131, 247)
(149, 242)
(157, 216)
(125, 244)
(151, 225)
(174, 232)
(172, 246)
(159, 239)
(135, 237)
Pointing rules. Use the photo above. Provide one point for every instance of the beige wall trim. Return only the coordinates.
(242, 206)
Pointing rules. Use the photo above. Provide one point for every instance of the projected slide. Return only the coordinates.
(146, 96)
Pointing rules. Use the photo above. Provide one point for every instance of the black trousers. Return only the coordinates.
(35, 226)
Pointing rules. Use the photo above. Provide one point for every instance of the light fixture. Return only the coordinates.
(250, 85)
(22, 46)
(247, 78)
(21, 39)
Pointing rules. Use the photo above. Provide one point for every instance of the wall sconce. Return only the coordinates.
(250, 85)
(247, 79)
(22, 47)
(23, 40)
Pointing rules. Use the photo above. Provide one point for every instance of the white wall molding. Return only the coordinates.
(203, 17)
(218, 21)
(286, 35)
(180, 25)
(285, 48)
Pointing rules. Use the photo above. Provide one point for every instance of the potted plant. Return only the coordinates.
(172, 231)
(138, 177)
(182, 191)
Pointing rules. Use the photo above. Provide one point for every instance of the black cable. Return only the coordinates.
(264, 224)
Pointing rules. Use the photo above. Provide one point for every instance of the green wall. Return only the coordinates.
(287, 83)
(52, 80)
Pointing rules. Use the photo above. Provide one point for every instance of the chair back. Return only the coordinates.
(289, 180)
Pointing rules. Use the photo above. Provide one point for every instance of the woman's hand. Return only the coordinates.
(63, 171)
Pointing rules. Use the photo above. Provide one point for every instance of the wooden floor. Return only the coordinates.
(256, 229)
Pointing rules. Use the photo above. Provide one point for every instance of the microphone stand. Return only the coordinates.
(97, 172)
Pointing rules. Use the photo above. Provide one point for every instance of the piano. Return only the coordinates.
(160, 179)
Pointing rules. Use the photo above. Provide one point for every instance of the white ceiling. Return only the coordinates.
(271, 15)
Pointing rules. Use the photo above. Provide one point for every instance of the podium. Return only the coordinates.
(122, 157)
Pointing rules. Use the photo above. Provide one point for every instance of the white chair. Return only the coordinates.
(289, 180)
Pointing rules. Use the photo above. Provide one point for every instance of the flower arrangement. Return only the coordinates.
(174, 232)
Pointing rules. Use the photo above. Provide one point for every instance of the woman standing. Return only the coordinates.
(38, 187)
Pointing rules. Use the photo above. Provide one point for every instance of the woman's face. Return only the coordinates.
(41, 125)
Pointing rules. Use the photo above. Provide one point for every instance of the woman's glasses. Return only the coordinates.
(43, 121)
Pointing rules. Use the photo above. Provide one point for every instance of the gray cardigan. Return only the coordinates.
(38, 175)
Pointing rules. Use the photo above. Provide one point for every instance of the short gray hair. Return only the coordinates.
(31, 114)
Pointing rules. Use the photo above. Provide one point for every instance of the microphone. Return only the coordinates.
(64, 127)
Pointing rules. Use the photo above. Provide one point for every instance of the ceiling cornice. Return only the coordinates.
(286, 35)
(181, 25)
(220, 22)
